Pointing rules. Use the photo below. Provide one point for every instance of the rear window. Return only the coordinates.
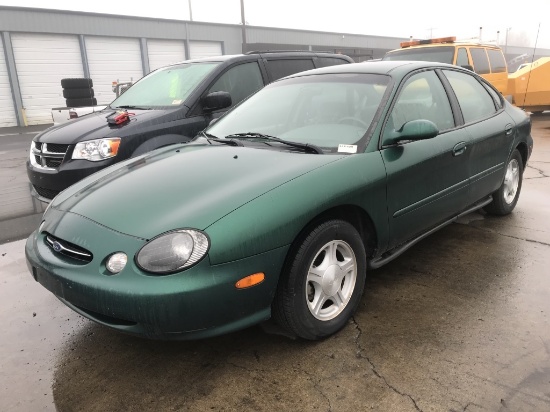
(481, 63)
(426, 54)
(498, 64)
(282, 68)
(329, 61)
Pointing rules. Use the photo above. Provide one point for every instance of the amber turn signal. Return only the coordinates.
(251, 280)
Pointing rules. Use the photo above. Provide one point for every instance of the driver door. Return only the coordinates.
(427, 180)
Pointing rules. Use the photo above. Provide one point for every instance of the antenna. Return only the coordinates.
(531, 69)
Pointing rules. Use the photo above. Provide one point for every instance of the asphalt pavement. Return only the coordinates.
(460, 322)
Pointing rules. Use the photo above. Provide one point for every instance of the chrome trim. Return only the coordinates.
(43, 153)
(60, 247)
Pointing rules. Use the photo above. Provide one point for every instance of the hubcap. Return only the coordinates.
(331, 280)
(511, 181)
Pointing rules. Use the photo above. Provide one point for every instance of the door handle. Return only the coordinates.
(459, 149)
(508, 129)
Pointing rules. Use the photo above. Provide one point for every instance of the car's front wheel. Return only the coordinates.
(506, 197)
(323, 283)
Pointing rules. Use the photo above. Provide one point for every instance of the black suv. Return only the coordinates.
(169, 105)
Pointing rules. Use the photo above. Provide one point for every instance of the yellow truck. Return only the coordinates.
(530, 86)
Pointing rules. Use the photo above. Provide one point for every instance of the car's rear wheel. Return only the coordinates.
(506, 197)
(323, 283)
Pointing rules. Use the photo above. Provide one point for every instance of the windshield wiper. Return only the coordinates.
(131, 107)
(253, 135)
(211, 138)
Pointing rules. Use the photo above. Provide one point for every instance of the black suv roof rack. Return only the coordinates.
(286, 51)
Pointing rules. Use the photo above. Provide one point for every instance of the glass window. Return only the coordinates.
(239, 81)
(462, 57)
(474, 99)
(325, 110)
(426, 54)
(497, 97)
(481, 63)
(169, 86)
(422, 97)
(286, 67)
(496, 58)
(329, 61)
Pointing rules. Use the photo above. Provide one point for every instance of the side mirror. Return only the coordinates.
(420, 129)
(216, 101)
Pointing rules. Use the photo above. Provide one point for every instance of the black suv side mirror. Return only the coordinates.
(216, 100)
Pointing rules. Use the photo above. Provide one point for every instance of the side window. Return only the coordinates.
(496, 58)
(474, 99)
(282, 68)
(497, 97)
(239, 81)
(462, 57)
(329, 61)
(481, 63)
(422, 97)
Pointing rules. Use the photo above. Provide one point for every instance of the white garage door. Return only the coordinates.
(198, 49)
(164, 52)
(7, 113)
(42, 60)
(111, 59)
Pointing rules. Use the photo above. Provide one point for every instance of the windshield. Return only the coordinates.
(330, 111)
(443, 54)
(169, 86)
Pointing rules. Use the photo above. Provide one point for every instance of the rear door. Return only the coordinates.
(427, 179)
(490, 130)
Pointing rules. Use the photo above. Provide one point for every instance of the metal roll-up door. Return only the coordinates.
(165, 52)
(42, 60)
(198, 49)
(111, 59)
(7, 111)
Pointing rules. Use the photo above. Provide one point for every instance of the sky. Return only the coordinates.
(418, 18)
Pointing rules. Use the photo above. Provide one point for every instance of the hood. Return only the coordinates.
(95, 126)
(190, 186)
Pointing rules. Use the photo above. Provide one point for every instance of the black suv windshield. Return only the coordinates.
(169, 86)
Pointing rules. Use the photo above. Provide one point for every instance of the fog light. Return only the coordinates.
(117, 262)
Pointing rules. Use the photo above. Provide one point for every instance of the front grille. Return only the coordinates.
(48, 155)
(46, 193)
(51, 162)
(57, 148)
(68, 249)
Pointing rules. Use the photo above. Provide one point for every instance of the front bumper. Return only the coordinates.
(48, 183)
(197, 303)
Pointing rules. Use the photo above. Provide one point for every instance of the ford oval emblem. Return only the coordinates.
(57, 246)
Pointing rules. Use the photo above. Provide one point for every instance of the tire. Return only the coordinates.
(80, 83)
(81, 102)
(78, 93)
(507, 195)
(313, 276)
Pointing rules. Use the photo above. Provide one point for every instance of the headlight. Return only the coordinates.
(95, 150)
(173, 251)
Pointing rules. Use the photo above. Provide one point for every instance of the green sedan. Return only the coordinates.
(282, 206)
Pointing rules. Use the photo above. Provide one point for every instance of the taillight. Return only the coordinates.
(73, 114)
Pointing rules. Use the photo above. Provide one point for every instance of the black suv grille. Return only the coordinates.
(46, 193)
(68, 249)
(48, 155)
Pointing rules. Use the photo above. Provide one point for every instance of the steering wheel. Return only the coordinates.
(353, 121)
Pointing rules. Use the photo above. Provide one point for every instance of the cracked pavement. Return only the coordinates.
(460, 322)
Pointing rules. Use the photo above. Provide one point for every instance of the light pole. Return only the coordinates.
(506, 40)
(243, 22)
(190, 11)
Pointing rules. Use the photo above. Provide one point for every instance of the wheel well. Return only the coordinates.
(355, 216)
(523, 151)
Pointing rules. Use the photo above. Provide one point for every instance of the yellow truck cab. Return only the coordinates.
(485, 59)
